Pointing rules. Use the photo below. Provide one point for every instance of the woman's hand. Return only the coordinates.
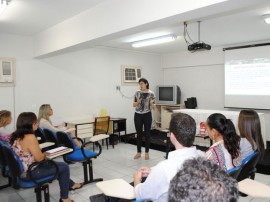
(139, 100)
(153, 103)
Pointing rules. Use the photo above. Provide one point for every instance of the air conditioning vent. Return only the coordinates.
(7, 71)
(131, 74)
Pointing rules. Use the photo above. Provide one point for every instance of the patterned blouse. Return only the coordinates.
(144, 106)
(220, 155)
(26, 157)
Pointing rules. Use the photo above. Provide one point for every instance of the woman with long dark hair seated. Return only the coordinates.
(25, 145)
(226, 150)
(249, 126)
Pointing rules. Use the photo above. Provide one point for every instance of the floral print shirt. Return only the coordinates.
(220, 155)
(144, 106)
(26, 157)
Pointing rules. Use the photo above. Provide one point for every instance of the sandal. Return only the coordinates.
(72, 189)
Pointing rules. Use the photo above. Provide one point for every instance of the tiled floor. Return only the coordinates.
(112, 163)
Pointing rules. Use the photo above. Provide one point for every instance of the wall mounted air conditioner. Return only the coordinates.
(7, 71)
(131, 74)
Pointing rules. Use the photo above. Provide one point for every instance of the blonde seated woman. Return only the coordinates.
(44, 121)
(5, 120)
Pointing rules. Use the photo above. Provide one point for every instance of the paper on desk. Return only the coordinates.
(69, 130)
(56, 150)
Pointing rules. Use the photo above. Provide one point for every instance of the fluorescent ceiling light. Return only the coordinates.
(3, 5)
(153, 41)
(267, 19)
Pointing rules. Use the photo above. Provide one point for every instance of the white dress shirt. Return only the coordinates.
(157, 183)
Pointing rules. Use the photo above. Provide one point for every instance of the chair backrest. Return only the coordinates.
(102, 124)
(51, 136)
(249, 166)
(40, 133)
(234, 172)
(65, 140)
(3, 162)
(2, 159)
(14, 164)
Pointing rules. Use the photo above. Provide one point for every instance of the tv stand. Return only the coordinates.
(163, 113)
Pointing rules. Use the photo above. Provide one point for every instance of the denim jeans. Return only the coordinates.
(63, 177)
(143, 121)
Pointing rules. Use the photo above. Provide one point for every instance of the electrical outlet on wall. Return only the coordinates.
(117, 87)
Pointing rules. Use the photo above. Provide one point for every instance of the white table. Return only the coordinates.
(67, 151)
(117, 125)
(254, 189)
(118, 188)
(45, 144)
(200, 115)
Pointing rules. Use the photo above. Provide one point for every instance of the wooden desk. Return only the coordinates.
(117, 125)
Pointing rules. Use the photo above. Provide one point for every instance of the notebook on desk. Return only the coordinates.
(57, 152)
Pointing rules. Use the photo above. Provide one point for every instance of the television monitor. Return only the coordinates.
(168, 94)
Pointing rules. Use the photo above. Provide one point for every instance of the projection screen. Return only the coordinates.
(247, 77)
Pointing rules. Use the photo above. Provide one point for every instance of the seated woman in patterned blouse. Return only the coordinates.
(25, 145)
(226, 150)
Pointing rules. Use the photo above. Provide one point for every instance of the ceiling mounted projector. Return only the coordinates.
(199, 46)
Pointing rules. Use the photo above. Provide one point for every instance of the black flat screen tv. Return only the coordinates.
(168, 94)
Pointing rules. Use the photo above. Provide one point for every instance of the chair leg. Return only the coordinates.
(38, 194)
(113, 141)
(6, 185)
(46, 193)
(89, 179)
(45, 189)
(107, 143)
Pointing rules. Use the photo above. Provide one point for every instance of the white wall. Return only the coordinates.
(75, 84)
(18, 47)
(201, 75)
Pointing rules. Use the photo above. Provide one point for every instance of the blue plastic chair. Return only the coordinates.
(51, 137)
(16, 169)
(4, 168)
(234, 172)
(80, 154)
(40, 133)
(249, 166)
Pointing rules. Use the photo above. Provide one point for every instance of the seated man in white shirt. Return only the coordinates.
(182, 135)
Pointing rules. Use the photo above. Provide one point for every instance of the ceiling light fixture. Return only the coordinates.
(153, 41)
(267, 19)
(3, 5)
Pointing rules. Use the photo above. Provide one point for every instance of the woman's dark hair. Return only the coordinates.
(249, 126)
(24, 126)
(144, 81)
(226, 128)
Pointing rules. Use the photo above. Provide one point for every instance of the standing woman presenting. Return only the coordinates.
(144, 101)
